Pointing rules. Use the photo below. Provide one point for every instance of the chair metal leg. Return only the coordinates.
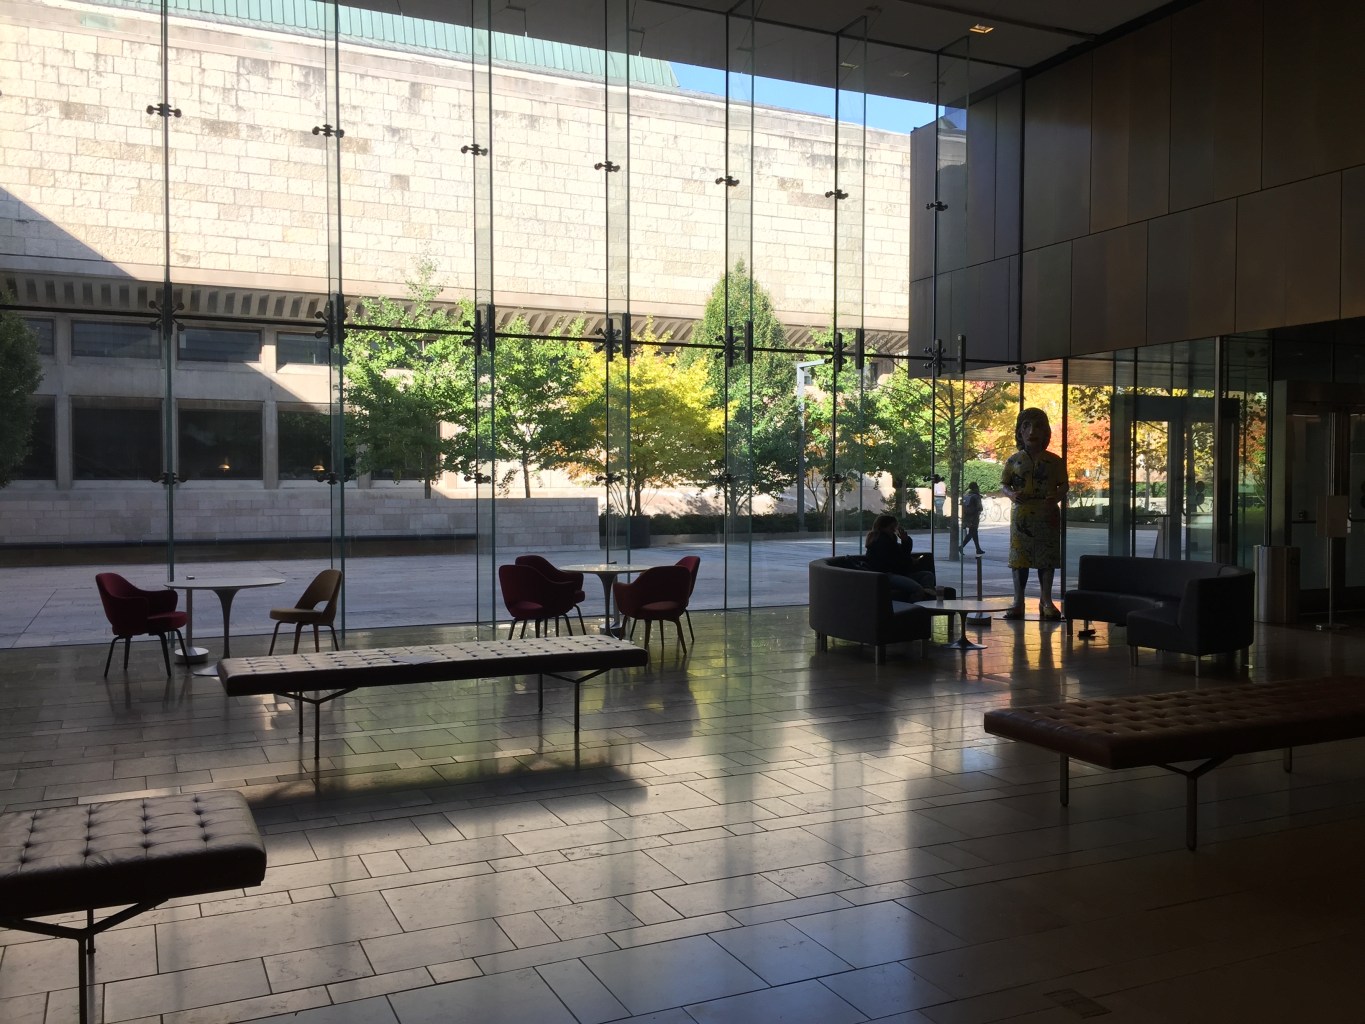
(272, 639)
(335, 646)
(111, 656)
(690, 632)
(165, 653)
(682, 644)
(127, 640)
(648, 624)
(582, 627)
(298, 629)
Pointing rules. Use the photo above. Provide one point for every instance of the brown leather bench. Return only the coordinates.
(573, 659)
(135, 854)
(1209, 726)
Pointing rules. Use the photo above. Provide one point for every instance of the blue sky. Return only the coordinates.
(891, 115)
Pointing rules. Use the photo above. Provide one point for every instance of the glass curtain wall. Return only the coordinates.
(428, 295)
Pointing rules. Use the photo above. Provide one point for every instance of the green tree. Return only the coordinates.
(901, 435)
(759, 396)
(406, 373)
(539, 425)
(839, 440)
(665, 431)
(20, 373)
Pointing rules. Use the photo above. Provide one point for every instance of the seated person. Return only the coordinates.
(887, 549)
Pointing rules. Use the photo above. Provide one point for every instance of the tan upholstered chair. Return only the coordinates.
(317, 607)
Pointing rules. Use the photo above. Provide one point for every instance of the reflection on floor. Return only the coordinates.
(758, 832)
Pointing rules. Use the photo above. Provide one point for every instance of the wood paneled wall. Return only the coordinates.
(1202, 175)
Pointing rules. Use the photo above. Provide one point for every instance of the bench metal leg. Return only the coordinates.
(85, 942)
(1192, 776)
(1064, 781)
(1289, 759)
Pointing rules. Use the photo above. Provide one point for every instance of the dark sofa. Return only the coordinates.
(1168, 604)
(850, 602)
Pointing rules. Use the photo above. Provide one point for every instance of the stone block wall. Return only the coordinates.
(250, 181)
(138, 515)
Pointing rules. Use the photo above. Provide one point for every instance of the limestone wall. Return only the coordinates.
(121, 515)
(250, 181)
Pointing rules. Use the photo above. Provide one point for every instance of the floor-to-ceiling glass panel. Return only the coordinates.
(247, 248)
(481, 466)
(793, 270)
(626, 479)
(1240, 493)
(740, 483)
(405, 166)
(854, 460)
(1090, 499)
(84, 190)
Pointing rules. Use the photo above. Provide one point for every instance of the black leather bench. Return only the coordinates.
(1209, 726)
(135, 854)
(574, 659)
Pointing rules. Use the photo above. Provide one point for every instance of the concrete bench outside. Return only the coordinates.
(135, 854)
(1209, 726)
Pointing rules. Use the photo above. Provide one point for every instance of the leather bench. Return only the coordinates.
(1209, 726)
(135, 854)
(341, 672)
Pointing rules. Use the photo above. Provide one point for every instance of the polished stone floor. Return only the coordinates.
(756, 832)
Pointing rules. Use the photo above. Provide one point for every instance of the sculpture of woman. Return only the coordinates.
(1034, 480)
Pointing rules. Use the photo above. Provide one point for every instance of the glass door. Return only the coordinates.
(1161, 460)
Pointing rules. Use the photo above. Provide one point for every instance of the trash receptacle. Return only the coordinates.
(1277, 583)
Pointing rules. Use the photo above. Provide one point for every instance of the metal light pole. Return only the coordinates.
(801, 368)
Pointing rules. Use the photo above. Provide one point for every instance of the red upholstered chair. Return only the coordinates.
(547, 569)
(658, 594)
(317, 607)
(132, 612)
(692, 564)
(530, 597)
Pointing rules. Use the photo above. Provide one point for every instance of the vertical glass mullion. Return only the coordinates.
(738, 399)
(613, 165)
(479, 150)
(336, 305)
(849, 203)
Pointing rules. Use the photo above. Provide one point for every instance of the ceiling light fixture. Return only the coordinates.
(981, 29)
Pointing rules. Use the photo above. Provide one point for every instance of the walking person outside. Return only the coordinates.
(971, 506)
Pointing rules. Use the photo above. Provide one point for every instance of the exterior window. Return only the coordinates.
(41, 461)
(300, 349)
(115, 442)
(213, 345)
(128, 341)
(45, 331)
(220, 444)
(305, 443)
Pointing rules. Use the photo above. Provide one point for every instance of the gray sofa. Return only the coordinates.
(851, 602)
(1187, 607)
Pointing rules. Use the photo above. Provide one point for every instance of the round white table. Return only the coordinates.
(607, 573)
(961, 606)
(226, 589)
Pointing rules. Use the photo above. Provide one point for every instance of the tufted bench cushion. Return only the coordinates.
(340, 672)
(54, 860)
(1158, 729)
(133, 854)
(1153, 728)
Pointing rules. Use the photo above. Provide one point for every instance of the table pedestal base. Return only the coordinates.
(191, 655)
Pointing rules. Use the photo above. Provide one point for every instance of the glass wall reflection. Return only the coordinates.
(415, 297)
